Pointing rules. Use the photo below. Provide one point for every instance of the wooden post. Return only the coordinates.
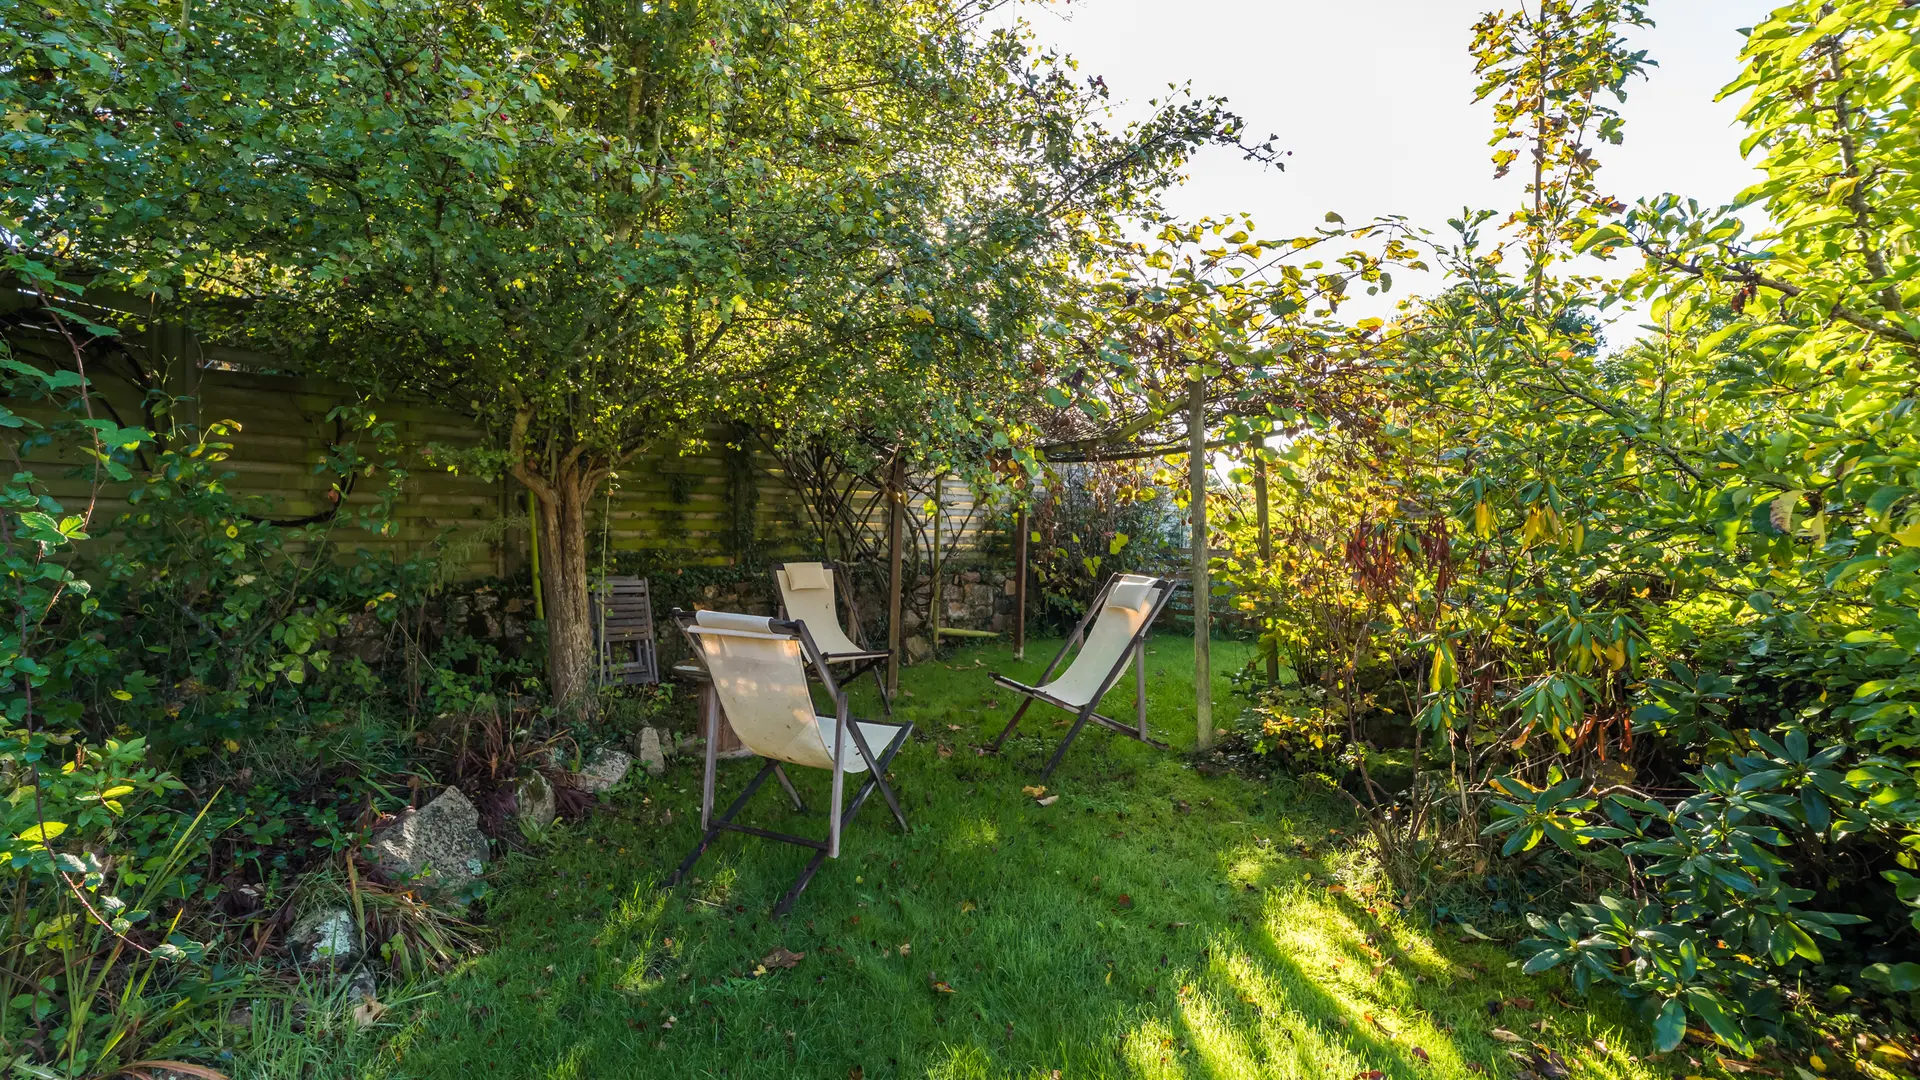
(896, 530)
(933, 604)
(533, 552)
(1266, 554)
(1202, 588)
(1020, 584)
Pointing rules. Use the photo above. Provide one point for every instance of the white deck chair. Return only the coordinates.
(759, 670)
(807, 593)
(1120, 617)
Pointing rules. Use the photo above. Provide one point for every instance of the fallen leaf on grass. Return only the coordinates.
(1475, 1067)
(180, 1068)
(1034, 790)
(1370, 1074)
(856, 1073)
(1124, 902)
(945, 750)
(953, 727)
(1505, 1036)
(780, 958)
(938, 986)
(1524, 1003)
(967, 905)
(367, 1013)
(906, 947)
(1048, 801)
(1420, 1053)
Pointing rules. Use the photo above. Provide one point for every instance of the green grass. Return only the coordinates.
(1151, 923)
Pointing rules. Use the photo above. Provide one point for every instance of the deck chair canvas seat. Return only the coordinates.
(808, 594)
(759, 671)
(1111, 635)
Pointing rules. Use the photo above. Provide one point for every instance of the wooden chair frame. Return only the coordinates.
(865, 661)
(1136, 651)
(711, 826)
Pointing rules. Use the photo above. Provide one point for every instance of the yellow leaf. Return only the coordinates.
(1482, 520)
(116, 791)
(1909, 536)
(120, 695)
(43, 832)
(1780, 514)
(232, 747)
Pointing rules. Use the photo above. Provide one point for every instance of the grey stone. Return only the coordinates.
(979, 596)
(918, 649)
(1012, 587)
(439, 845)
(533, 800)
(605, 769)
(971, 577)
(361, 987)
(652, 758)
(325, 937)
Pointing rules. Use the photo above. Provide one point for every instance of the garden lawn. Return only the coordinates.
(1152, 922)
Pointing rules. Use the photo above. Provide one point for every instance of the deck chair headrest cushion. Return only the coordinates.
(728, 620)
(806, 575)
(1132, 592)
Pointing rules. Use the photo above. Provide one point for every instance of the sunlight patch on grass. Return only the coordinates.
(1291, 1043)
(1217, 1038)
(973, 835)
(569, 1067)
(1153, 1051)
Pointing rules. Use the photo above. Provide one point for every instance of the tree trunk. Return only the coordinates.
(562, 511)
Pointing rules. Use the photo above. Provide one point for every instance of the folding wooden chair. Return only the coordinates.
(759, 670)
(807, 593)
(622, 612)
(1120, 617)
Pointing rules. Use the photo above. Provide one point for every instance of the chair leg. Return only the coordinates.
(1011, 724)
(876, 771)
(1140, 687)
(1072, 732)
(880, 680)
(713, 829)
(785, 905)
(706, 839)
(780, 774)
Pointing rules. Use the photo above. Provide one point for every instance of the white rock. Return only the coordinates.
(326, 937)
(651, 756)
(533, 800)
(605, 769)
(439, 844)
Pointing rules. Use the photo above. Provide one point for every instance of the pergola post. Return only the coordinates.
(1262, 513)
(1020, 584)
(1202, 588)
(896, 530)
(933, 603)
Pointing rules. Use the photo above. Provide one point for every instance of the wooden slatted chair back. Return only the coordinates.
(623, 631)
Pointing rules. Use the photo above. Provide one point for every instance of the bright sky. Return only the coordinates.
(1375, 100)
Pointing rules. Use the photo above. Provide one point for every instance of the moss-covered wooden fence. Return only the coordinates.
(716, 503)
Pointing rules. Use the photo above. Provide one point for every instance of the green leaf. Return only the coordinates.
(1670, 1026)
